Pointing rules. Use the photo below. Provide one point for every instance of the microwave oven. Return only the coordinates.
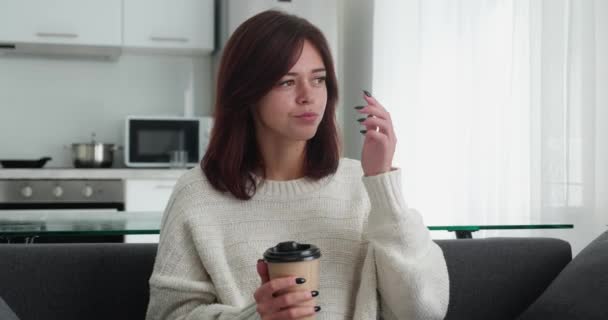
(149, 141)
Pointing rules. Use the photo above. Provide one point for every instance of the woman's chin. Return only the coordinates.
(304, 136)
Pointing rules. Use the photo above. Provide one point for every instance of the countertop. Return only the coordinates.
(72, 173)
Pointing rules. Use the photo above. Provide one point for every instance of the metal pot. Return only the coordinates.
(93, 154)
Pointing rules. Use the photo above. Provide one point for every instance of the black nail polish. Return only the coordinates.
(317, 308)
(359, 107)
(300, 280)
(363, 131)
(361, 119)
(367, 93)
(314, 293)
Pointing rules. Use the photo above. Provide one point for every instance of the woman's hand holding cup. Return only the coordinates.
(275, 300)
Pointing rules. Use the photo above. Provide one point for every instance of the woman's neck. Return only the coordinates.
(283, 161)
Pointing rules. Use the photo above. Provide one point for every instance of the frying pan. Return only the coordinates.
(39, 163)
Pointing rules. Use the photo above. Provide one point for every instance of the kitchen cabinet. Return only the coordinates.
(72, 22)
(174, 25)
(147, 195)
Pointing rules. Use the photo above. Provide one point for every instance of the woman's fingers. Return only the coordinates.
(377, 116)
(271, 302)
(374, 111)
(372, 101)
(262, 268)
(294, 313)
(292, 298)
(384, 126)
(267, 290)
(287, 300)
(378, 137)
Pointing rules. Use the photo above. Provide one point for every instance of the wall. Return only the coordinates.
(46, 103)
(355, 51)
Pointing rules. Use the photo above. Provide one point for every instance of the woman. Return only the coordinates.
(273, 173)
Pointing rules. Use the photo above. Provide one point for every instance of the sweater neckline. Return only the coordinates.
(289, 188)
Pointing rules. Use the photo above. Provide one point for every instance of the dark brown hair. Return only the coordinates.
(261, 51)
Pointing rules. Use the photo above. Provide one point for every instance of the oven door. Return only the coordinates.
(150, 141)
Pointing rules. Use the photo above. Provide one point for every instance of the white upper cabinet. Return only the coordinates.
(79, 22)
(169, 24)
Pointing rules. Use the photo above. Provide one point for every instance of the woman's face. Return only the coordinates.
(294, 107)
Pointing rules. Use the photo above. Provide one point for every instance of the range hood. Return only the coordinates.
(60, 50)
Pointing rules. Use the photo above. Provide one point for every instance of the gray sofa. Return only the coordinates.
(494, 278)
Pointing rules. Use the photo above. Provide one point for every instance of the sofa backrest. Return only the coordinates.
(498, 278)
(494, 278)
(76, 281)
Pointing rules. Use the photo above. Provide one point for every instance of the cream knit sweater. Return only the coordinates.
(377, 255)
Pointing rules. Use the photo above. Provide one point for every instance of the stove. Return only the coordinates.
(61, 194)
(84, 195)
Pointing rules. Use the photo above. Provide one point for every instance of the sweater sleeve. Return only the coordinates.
(411, 272)
(180, 287)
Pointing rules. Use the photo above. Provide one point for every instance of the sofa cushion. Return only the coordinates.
(578, 290)
(5, 311)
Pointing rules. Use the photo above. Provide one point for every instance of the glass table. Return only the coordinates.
(466, 232)
(31, 224)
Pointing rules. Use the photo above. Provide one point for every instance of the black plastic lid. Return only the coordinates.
(291, 251)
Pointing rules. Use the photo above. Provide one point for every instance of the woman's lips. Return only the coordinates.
(307, 117)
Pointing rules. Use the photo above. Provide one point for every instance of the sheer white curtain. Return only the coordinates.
(494, 106)
(573, 117)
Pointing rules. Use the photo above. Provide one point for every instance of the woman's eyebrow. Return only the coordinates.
(313, 71)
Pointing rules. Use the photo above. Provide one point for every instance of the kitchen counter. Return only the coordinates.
(72, 173)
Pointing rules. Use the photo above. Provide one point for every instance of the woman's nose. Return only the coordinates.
(305, 94)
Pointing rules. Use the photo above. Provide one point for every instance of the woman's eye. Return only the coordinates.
(287, 83)
(320, 80)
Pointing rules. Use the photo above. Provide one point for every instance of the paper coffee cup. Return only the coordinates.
(295, 259)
